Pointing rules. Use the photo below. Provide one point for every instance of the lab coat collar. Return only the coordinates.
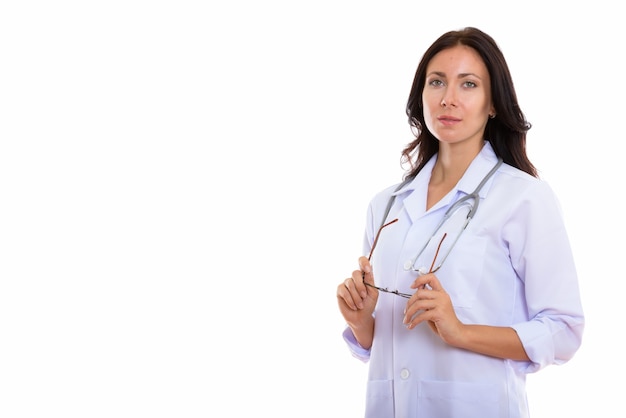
(415, 203)
(478, 169)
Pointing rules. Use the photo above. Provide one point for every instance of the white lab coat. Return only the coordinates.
(512, 266)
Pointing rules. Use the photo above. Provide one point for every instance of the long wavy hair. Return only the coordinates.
(506, 132)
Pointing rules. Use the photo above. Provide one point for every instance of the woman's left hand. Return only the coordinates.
(432, 303)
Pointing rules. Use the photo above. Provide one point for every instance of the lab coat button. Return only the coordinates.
(404, 373)
(408, 264)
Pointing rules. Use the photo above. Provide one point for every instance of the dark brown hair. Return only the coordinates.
(506, 132)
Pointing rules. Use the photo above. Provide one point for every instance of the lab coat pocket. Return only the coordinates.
(458, 400)
(379, 399)
(462, 273)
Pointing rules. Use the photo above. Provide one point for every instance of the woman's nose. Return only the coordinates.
(448, 99)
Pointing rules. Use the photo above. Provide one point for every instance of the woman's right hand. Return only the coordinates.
(356, 300)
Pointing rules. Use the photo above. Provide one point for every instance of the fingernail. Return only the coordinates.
(364, 294)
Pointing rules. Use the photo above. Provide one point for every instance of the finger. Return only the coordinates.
(365, 265)
(355, 289)
(344, 296)
(427, 281)
(412, 318)
(359, 278)
(421, 300)
(366, 275)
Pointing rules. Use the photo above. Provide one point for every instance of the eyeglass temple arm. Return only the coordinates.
(369, 257)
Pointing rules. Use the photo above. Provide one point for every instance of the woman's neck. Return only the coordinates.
(449, 168)
(452, 162)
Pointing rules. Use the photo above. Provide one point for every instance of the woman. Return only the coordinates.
(470, 283)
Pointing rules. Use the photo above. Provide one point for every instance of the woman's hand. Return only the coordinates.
(431, 303)
(354, 297)
(357, 302)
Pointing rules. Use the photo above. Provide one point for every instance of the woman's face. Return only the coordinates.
(457, 96)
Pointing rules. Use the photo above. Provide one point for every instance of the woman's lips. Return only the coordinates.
(448, 120)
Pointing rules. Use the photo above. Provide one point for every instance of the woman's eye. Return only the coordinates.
(469, 84)
(435, 83)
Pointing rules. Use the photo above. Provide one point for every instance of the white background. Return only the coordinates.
(183, 185)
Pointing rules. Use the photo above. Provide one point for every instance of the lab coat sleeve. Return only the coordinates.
(355, 348)
(542, 257)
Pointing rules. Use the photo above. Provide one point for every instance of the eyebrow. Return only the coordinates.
(462, 75)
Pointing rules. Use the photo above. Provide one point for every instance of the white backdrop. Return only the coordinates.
(183, 185)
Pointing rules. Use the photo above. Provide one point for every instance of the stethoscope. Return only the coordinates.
(410, 265)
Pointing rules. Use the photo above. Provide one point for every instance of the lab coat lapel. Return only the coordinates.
(413, 195)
